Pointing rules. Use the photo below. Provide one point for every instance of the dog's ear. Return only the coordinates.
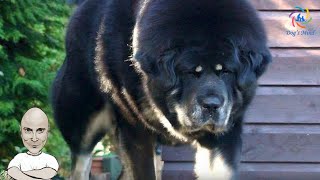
(260, 62)
(160, 70)
(166, 68)
(253, 65)
(148, 64)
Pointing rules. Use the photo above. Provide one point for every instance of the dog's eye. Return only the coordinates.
(197, 71)
(219, 67)
(222, 70)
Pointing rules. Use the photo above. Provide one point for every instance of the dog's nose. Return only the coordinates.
(211, 102)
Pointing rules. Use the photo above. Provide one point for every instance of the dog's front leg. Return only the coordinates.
(136, 151)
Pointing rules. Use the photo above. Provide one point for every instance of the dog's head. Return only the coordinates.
(202, 72)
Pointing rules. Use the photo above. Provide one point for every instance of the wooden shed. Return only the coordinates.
(281, 137)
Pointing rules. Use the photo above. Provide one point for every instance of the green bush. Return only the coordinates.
(31, 50)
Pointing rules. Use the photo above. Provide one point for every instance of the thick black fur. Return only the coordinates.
(172, 38)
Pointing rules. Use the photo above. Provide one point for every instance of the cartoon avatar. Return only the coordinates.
(34, 164)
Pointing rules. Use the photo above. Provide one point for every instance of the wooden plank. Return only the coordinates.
(293, 67)
(178, 171)
(285, 90)
(285, 4)
(183, 153)
(266, 143)
(276, 171)
(281, 143)
(277, 25)
(284, 109)
(250, 171)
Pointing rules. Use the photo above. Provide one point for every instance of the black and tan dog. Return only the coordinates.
(178, 71)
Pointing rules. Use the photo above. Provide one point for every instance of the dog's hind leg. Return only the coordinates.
(82, 115)
(99, 123)
(87, 137)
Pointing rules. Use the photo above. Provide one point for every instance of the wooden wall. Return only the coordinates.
(282, 127)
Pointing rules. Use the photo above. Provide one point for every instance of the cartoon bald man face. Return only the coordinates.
(34, 130)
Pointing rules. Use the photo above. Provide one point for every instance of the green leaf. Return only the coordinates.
(22, 85)
(6, 107)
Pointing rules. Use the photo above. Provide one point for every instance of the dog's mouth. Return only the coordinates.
(207, 127)
(215, 123)
(198, 121)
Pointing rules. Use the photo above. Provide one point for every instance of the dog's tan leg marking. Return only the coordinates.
(82, 167)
